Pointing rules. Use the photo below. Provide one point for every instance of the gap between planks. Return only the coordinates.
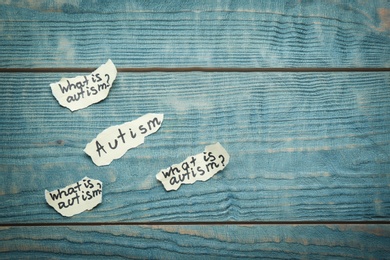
(206, 223)
(193, 69)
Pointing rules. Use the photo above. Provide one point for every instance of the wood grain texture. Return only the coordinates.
(197, 242)
(303, 146)
(176, 33)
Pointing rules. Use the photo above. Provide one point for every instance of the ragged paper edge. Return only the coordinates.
(111, 133)
(107, 68)
(73, 209)
(216, 149)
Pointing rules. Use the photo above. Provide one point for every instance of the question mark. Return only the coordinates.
(223, 159)
(108, 79)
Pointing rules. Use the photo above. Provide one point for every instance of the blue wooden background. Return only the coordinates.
(298, 92)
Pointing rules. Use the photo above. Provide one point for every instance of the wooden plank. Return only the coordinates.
(177, 34)
(303, 146)
(197, 242)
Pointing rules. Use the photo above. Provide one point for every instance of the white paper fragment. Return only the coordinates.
(83, 91)
(76, 198)
(201, 167)
(114, 141)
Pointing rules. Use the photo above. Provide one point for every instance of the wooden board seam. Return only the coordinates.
(201, 223)
(193, 69)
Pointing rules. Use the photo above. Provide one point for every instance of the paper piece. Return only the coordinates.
(201, 167)
(83, 91)
(76, 198)
(114, 141)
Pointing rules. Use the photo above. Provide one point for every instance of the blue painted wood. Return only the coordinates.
(178, 33)
(303, 146)
(197, 242)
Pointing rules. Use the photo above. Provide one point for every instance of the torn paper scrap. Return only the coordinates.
(201, 167)
(116, 140)
(83, 91)
(76, 198)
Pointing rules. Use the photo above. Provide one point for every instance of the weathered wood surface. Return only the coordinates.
(197, 242)
(179, 34)
(303, 146)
